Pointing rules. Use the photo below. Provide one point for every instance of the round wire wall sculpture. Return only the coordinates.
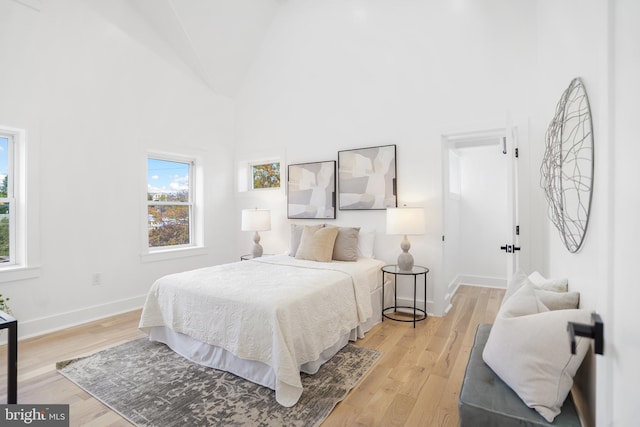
(567, 166)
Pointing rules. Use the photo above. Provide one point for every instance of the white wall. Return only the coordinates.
(93, 99)
(598, 41)
(337, 75)
(623, 351)
(572, 37)
(572, 42)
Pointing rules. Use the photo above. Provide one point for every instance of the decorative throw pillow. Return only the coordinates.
(294, 242)
(316, 243)
(346, 245)
(558, 300)
(366, 240)
(296, 235)
(531, 353)
(518, 280)
(556, 285)
(522, 303)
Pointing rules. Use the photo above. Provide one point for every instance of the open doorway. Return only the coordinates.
(480, 209)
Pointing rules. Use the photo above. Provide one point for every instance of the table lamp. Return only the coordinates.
(405, 221)
(256, 220)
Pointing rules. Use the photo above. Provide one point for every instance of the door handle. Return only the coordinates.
(509, 248)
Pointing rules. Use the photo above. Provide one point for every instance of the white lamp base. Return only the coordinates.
(257, 249)
(405, 259)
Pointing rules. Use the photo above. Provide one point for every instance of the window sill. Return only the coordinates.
(168, 254)
(16, 272)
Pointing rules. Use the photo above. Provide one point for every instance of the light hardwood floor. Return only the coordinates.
(415, 383)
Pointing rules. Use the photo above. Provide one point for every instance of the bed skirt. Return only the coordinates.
(255, 371)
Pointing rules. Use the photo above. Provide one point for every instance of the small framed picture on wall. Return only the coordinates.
(367, 178)
(311, 190)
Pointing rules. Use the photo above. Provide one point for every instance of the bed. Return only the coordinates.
(266, 319)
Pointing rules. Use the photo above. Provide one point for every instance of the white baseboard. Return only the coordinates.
(470, 280)
(483, 281)
(45, 325)
(449, 307)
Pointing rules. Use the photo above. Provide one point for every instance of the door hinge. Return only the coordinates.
(517, 153)
(517, 230)
(443, 238)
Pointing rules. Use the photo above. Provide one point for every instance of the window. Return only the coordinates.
(7, 202)
(170, 202)
(19, 244)
(265, 175)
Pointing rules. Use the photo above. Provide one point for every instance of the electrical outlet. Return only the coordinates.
(96, 279)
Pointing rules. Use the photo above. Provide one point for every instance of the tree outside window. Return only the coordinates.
(169, 202)
(265, 175)
(5, 201)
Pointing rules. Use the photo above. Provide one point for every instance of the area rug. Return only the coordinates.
(150, 385)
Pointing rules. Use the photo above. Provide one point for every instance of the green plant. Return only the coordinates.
(3, 304)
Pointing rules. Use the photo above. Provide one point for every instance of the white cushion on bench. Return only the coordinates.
(528, 348)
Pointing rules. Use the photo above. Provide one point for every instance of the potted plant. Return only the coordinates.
(3, 304)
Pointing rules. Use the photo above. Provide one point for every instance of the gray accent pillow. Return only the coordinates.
(296, 234)
(346, 245)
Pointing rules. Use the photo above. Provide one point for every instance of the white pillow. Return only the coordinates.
(522, 303)
(556, 285)
(558, 300)
(366, 241)
(536, 277)
(518, 280)
(531, 352)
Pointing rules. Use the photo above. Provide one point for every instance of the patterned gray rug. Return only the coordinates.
(150, 385)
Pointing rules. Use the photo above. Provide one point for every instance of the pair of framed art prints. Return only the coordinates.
(366, 180)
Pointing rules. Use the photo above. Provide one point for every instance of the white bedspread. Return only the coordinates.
(277, 310)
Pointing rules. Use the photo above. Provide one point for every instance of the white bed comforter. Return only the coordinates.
(277, 310)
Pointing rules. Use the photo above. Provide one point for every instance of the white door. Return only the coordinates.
(512, 246)
(463, 241)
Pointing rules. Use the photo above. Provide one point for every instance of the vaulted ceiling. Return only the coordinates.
(216, 39)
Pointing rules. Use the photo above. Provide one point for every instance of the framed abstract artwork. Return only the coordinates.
(311, 190)
(367, 178)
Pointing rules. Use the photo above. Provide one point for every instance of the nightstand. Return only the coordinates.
(9, 322)
(415, 272)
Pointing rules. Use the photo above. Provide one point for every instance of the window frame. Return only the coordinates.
(11, 200)
(260, 163)
(194, 247)
(22, 251)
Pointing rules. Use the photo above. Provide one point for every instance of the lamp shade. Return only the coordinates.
(407, 221)
(256, 220)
